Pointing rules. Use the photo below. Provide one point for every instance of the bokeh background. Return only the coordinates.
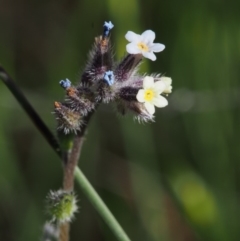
(175, 179)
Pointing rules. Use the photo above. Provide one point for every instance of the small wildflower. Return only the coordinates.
(61, 206)
(107, 27)
(150, 94)
(65, 83)
(143, 44)
(168, 82)
(109, 77)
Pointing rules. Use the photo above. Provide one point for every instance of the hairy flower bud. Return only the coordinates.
(128, 93)
(68, 120)
(137, 109)
(127, 67)
(61, 206)
(100, 58)
(80, 99)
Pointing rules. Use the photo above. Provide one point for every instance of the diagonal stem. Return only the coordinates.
(100, 206)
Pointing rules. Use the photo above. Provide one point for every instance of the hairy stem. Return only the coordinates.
(69, 166)
(68, 178)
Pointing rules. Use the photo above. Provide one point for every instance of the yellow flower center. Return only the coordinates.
(142, 46)
(148, 95)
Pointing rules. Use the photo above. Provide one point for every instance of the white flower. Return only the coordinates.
(143, 44)
(150, 94)
(168, 82)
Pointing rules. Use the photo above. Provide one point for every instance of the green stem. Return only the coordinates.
(100, 206)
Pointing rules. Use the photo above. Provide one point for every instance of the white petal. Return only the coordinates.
(150, 108)
(159, 86)
(148, 82)
(132, 37)
(140, 96)
(149, 55)
(132, 49)
(160, 101)
(157, 47)
(148, 36)
(166, 80)
(168, 90)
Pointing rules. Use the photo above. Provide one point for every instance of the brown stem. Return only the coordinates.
(68, 178)
(64, 232)
(69, 166)
(68, 171)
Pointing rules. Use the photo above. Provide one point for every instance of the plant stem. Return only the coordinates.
(69, 166)
(68, 178)
(100, 206)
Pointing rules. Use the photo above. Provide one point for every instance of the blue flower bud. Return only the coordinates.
(65, 83)
(109, 77)
(107, 26)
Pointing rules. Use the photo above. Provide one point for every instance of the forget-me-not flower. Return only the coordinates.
(150, 94)
(143, 44)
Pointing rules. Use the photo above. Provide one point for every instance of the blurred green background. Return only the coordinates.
(175, 179)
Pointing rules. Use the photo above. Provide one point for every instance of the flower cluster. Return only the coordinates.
(104, 80)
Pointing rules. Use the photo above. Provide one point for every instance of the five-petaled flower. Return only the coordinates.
(150, 94)
(143, 44)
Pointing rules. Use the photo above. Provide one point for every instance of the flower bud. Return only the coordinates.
(128, 93)
(80, 99)
(100, 58)
(139, 111)
(68, 120)
(61, 206)
(127, 67)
